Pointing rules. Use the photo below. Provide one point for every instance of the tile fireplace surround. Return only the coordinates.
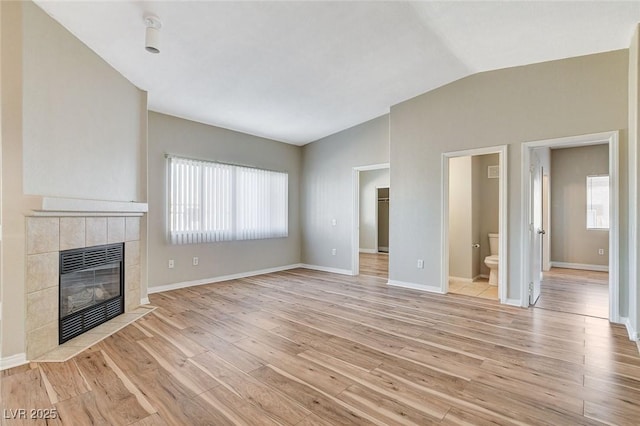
(45, 238)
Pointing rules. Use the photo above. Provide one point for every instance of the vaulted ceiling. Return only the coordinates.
(299, 71)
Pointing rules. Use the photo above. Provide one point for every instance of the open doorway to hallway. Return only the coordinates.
(371, 235)
(375, 261)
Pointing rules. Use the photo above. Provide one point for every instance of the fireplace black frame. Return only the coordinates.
(76, 323)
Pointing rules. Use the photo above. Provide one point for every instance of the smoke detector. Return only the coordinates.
(152, 39)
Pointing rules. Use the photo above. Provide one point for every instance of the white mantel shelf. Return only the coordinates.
(53, 206)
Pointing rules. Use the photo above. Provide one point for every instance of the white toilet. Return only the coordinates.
(493, 260)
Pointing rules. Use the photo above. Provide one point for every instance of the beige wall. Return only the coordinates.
(52, 102)
(504, 107)
(13, 248)
(70, 110)
(369, 181)
(172, 135)
(488, 205)
(14, 202)
(327, 189)
(571, 241)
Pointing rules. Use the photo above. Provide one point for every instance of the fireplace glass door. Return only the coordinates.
(81, 289)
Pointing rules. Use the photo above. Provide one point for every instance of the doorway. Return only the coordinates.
(382, 220)
(474, 222)
(374, 223)
(370, 235)
(375, 261)
(576, 237)
(567, 284)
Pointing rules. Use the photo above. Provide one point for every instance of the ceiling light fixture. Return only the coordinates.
(152, 39)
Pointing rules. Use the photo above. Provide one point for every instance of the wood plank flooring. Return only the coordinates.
(575, 291)
(374, 264)
(310, 348)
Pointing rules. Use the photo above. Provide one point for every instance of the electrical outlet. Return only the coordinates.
(420, 264)
(195, 261)
(334, 222)
(334, 252)
(171, 264)
(601, 252)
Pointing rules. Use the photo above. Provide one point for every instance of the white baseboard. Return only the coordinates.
(144, 301)
(327, 269)
(580, 266)
(370, 251)
(13, 361)
(185, 284)
(513, 302)
(383, 249)
(415, 286)
(633, 333)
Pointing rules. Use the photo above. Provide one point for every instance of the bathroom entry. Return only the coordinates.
(474, 223)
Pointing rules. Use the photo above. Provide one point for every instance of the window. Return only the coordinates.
(211, 202)
(598, 202)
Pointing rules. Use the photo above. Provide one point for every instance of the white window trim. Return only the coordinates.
(606, 206)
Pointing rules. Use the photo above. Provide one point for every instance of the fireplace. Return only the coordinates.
(91, 288)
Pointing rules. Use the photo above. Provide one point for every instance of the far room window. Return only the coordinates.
(598, 202)
(211, 202)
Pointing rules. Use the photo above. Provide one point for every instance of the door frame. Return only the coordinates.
(501, 150)
(611, 138)
(355, 219)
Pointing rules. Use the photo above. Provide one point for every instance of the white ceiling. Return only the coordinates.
(299, 71)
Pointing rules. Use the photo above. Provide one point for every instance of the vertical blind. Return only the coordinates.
(211, 202)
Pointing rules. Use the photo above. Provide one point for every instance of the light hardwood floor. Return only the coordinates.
(311, 348)
(374, 264)
(575, 291)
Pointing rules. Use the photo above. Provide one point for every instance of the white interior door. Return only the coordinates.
(535, 229)
(546, 218)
